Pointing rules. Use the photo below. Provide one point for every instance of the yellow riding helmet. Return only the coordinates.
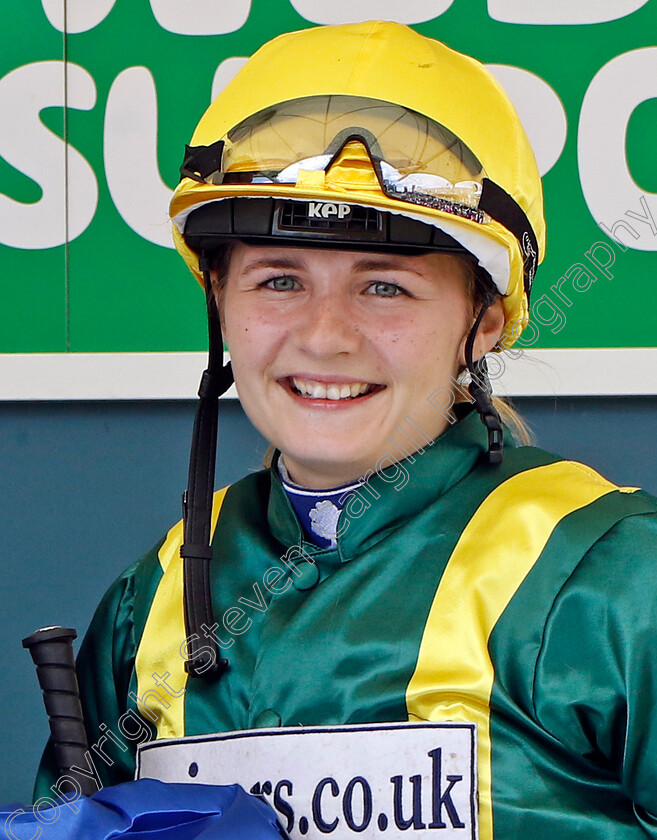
(367, 135)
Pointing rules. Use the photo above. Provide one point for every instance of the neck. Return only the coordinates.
(317, 479)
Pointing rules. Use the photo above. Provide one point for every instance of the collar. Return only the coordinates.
(317, 510)
(390, 497)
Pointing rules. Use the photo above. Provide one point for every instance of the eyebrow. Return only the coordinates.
(273, 262)
(363, 265)
(383, 264)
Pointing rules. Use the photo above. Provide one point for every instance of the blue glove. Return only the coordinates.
(163, 811)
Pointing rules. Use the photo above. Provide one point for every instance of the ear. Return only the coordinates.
(488, 334)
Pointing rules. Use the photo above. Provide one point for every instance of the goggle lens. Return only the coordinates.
(416, 159)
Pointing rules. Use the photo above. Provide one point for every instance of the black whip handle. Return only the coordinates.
(52, 652)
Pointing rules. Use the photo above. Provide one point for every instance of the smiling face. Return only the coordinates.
(333, 349)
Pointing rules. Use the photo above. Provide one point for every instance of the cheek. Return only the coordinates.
(434, 337)
(252, 338)
(237, 319)
(240, 338)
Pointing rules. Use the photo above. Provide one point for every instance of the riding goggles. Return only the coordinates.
(415, 159)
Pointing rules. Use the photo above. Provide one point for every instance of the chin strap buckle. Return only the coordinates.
(481, 393)
(204, 663)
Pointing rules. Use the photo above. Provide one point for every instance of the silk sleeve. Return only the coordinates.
(595, 687)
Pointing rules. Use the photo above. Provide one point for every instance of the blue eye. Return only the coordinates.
(385, 289)
(281, 284)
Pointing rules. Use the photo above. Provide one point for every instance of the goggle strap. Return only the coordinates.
(504, 209)
(203, 658)
(201, 161)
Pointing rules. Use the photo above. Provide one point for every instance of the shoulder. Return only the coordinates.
(611, 591)
(231, 504)
(598, 640)
(622, 562)
(118, 625)
(559, 514)
(543, 475)
(246, 498)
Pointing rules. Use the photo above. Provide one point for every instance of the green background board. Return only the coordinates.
(33, 287)
(111, 290)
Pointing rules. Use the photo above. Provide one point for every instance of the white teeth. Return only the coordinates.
(319, 391)
(316, 391)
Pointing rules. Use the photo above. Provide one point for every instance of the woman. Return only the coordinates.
(364, 211)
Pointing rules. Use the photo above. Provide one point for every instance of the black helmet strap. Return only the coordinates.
(203, 658)
(482, 395)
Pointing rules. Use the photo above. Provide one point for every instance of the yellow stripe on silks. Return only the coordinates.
(453, 677)
(160, 660)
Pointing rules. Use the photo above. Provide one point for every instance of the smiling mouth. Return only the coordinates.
(311, 389)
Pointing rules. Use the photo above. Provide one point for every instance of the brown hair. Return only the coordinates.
(219, 265)
(482, 292)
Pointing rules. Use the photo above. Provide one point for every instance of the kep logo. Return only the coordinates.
(326, 209)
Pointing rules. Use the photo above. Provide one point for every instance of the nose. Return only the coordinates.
(328, 327)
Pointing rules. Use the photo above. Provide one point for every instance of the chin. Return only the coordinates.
(339, 464)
